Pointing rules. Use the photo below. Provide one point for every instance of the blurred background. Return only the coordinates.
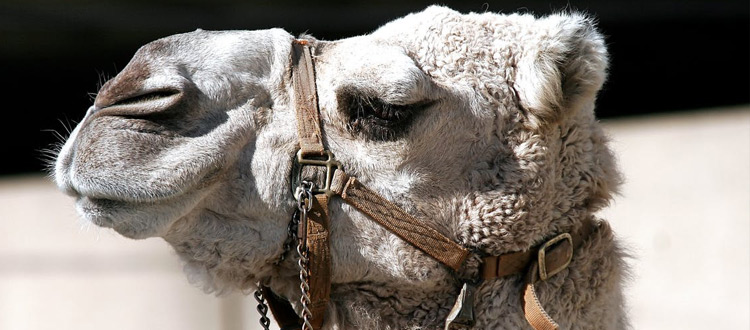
(677, 105)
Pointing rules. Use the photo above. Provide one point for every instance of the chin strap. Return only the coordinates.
(540, 262)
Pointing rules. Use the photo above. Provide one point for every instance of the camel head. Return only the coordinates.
(481, 125)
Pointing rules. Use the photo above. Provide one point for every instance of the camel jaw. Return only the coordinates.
(136, 220)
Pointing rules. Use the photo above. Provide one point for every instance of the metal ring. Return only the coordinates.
(304, 194)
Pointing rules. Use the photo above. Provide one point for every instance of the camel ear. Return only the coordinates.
(563, 70)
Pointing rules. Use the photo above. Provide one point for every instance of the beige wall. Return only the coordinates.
(684, 213)
(58, 273)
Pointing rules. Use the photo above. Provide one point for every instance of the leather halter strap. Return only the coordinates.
(315, 233)
(541, 262)
(387, 214)
(396, 220)
(306, 100)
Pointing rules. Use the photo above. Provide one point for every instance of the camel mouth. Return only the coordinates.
(113, 196)
(97, 210)
(126, 218)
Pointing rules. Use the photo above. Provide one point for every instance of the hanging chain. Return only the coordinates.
(291, 237)
(304, 196)
(262, 308)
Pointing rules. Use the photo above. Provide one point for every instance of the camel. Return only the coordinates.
(479, 125)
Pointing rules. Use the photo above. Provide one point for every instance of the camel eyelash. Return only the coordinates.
(378, 120)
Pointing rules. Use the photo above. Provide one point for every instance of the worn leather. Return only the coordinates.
(306, 100)
(556, 257)
(319, 259)
(281, 310)
(396, 220)
(518, 262)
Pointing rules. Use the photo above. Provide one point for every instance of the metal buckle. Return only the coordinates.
(327, 160)
(544, 273)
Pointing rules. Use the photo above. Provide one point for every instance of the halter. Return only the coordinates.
(539, 263)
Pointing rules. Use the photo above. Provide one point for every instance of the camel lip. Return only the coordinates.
(108, 197)
(136, 220)
(105, 189)
(96, 210)
(107, 213)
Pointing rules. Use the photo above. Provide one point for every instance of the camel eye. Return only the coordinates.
(376, 119)
(368, 106)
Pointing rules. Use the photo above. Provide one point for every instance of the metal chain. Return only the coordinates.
(291, 237)
(304, 196)
(304, 286)
(304, 204)
(262, 308)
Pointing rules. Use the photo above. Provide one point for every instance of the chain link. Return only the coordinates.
(304, 286)
(291, 237)
(304, 196)
(262, 308)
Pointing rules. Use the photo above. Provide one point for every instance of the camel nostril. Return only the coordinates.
(145, 97)
(139, 104)
(92, 109)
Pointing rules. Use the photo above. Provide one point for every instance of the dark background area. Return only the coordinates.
(665, 55)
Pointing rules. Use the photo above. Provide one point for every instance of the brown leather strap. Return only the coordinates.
(281, 310)
(533, 310)
(315, 238)
(518, 262)
(505, 264)
(539, 263)
(314, 232)
(306, 100)
(399, 222)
